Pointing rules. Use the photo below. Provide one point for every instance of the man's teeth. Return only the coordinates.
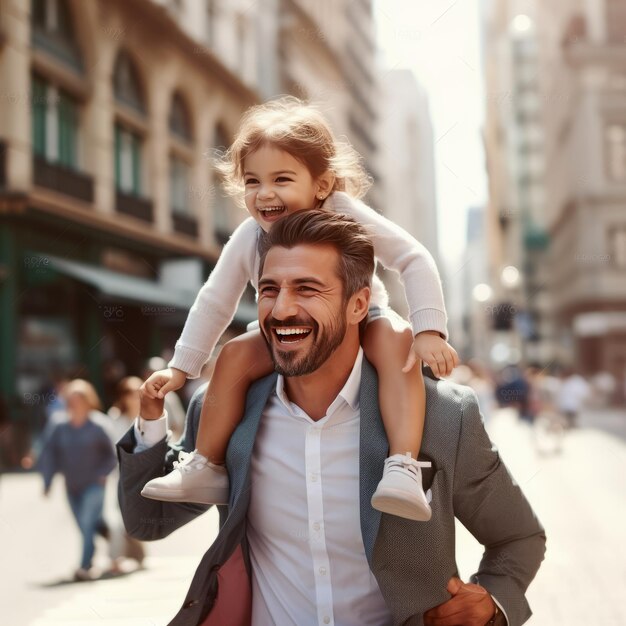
(292, 331)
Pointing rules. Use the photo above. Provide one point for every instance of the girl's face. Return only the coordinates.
(277, 184)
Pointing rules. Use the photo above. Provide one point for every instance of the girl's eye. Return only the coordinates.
(251, 181)
(283, 179)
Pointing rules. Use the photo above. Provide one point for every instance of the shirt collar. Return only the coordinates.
(349, 392)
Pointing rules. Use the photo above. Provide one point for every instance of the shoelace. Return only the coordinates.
(186, 461)
(408, 462)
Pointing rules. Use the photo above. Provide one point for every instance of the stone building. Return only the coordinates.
(556, 152)
(111, 216)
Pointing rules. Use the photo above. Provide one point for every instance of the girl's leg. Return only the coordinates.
(402, 396)
(241, 361)
(403, 404)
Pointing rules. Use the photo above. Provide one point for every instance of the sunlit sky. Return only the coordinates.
(440, 42)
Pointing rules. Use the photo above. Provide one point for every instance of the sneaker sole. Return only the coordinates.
(395, 503)
(197, 496)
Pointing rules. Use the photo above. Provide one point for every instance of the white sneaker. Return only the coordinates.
(193, 479)
(400, 490)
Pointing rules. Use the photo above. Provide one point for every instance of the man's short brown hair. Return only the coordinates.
(356, 251)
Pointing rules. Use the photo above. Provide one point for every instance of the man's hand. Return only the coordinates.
(159, 383)
(433, 350)
(150, 408)
(470, 605)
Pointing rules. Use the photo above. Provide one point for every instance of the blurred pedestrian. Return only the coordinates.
(513, 390)
(122, 415)
(81, 450)
(573, 394)
(548, 423)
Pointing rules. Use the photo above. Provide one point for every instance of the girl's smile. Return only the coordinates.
(277, 184)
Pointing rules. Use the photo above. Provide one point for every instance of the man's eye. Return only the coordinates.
(307, 290)
(268, 291)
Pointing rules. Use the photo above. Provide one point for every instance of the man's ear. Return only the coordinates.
(325, 183)
(359, 305)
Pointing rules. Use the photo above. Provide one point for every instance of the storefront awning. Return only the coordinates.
(135, 289)
(123, 286)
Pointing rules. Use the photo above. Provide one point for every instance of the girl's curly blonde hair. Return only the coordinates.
(301, 130)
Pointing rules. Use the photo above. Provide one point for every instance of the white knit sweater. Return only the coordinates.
(238, 264)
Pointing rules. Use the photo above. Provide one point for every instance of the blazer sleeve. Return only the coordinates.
(147, 519)
(491, 505)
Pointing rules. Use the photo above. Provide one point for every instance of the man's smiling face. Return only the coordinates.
(302, 311)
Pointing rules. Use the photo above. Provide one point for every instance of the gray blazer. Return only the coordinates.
(412, 561)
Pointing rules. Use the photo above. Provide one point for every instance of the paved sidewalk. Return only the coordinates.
(579, 496)
(40, 547)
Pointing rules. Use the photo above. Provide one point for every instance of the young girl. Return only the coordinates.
(285, 159)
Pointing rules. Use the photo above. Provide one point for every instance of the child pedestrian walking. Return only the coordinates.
(285, 158)
(80, 449)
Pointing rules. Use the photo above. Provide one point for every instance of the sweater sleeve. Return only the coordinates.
(108, 459)
(217, 300)
(399, 251)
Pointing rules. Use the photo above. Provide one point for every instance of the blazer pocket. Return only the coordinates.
(428, 473)
(432, 487)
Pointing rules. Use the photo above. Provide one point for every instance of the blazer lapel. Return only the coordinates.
(374, 448)
(239, 452)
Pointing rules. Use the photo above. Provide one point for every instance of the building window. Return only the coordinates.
(618, 247)
(180, 157)
(54, 124)
(222, 205)
(615, 141)
(179, 119)
(126, 84)
(179, 186)
(129, 127)
(52, 31)
(127, 161)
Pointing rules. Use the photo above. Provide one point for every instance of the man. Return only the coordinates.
(299, 542)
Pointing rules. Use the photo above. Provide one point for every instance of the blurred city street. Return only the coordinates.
(486, 139)
(578, 494)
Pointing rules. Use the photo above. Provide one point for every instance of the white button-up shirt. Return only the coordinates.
(308, 560)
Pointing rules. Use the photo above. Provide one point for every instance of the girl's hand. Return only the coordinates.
(159, 383)
(433, 350)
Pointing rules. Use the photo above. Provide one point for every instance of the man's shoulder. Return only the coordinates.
(445, 400)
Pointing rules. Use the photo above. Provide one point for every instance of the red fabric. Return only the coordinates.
(233, 605)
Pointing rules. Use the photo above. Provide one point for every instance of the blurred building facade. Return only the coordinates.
(407, 165)
(556, 151)
(476, 314)
(112, 215)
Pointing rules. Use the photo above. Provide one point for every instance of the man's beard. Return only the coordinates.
(324, 343)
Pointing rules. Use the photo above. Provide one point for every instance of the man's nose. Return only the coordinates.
(285, 305)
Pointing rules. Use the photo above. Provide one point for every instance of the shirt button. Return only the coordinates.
(322, 572)
(313, 478)
(316, 526)
(326, 620)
